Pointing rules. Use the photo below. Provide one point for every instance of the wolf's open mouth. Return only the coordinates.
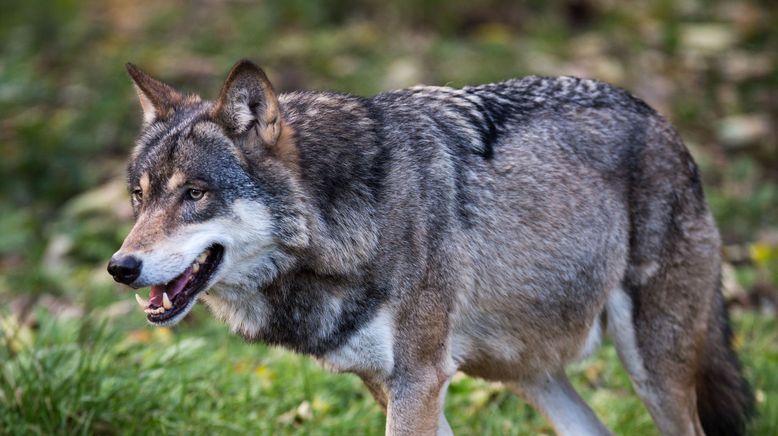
(166, 301)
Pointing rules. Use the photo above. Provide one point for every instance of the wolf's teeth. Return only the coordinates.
(166, 303)
(155, 311)
(143, 303)
(201, 258)
(195, 267)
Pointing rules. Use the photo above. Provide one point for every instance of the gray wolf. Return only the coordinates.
(499, 230)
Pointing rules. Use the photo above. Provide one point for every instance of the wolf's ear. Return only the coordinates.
(247, 97)
(156, 98)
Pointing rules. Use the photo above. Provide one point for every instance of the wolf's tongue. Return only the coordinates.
(155, 296)
(178, 284)
(173, 288)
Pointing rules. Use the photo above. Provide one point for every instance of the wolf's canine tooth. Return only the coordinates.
(195, 267)
(201, 258)
(141, 302)
(166, 303)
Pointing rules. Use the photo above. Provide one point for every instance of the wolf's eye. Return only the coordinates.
(195, 194)
(137, 194)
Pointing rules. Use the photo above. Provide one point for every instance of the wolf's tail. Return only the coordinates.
(725, 402)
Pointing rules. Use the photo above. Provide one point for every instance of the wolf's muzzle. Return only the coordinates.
(124, 269)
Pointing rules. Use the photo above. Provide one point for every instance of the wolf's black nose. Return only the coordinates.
(124, 269)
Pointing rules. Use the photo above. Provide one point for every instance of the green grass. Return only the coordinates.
(86, 377)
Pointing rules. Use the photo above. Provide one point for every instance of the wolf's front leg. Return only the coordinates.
(415, 404)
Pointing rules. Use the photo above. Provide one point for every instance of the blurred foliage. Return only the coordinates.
(68, 116)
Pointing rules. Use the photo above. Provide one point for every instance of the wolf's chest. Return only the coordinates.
(367, 351)
(344, 335)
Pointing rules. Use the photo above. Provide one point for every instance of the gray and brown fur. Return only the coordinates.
(493, 229)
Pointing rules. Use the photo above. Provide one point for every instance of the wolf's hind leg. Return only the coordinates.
(669, 396)
(557, 400)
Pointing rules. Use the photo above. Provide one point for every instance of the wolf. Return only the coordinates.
(499, 230)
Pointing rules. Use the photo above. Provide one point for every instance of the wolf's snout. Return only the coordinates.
(124, 269)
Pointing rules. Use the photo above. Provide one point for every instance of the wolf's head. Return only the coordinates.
(214, 192)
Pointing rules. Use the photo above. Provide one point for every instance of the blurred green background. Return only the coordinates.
(75, 354)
